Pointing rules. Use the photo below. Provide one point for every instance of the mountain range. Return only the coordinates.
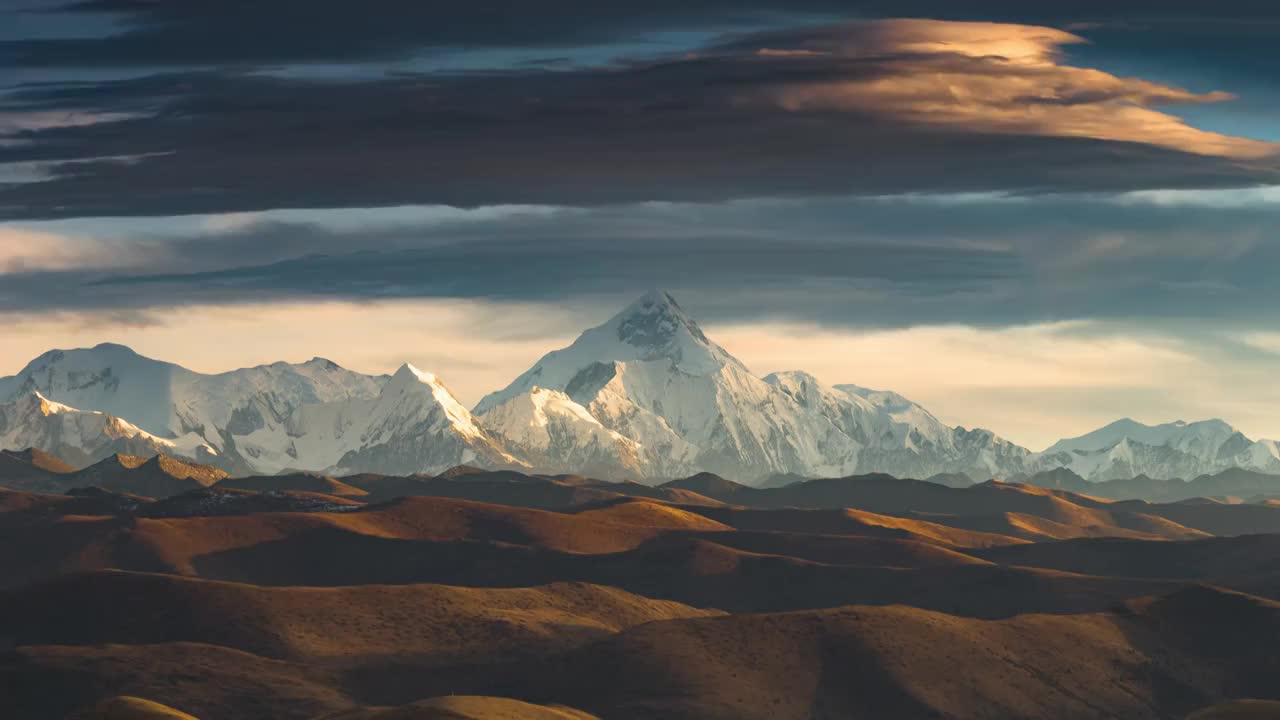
(647, 395)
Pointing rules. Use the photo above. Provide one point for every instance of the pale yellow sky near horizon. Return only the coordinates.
(1030, 384)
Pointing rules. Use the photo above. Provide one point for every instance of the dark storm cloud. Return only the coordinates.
(762, 116)
(238, 32)
(839, 262)
(532, 256)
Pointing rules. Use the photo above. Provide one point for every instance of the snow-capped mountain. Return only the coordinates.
(80, 437)
(651, 374)
(413, 425)
(899, 437)
(646, 395)
(1127, 448)
(267, 419)
(1196, 438)
(557, 435)
(175, 403)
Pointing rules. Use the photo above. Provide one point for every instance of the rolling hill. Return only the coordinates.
(481, 593)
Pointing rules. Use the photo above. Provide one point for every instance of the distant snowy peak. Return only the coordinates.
(874, 418)
(558, 435)
(172, 402)
(653, 376)
(1127, 448)
(898, 436)
(107, 378)
(857, 417)
(646, 394)
(37, 403)
(31, 408)
(884, 399)
(412, 397)
(528, 418)
(414, 425)
(1180, 435)
(81, 437)
(654, 328)
(657, 327)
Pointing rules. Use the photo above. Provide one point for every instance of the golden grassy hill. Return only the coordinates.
(466, 708)
(157, 477)
(434, 624)
(1092, 524)
(1220, 560)
(209, 682)
(1240, 710)
(905, 662)
(564, 492)
(131, 708)
(850, 522)
(297, 482)
(431, 540)
(847, 550)
(574, 599)
(648, 513)
(1149, 659)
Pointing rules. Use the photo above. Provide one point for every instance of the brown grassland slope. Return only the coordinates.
(478, 594)
(1149, 658)
(1239, 710)
(158, 476)
(131, 708)
(436, 624)
(466, 707)
(298, 482)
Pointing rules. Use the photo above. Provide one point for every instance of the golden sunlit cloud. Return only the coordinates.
(997, 78)
(27, 250)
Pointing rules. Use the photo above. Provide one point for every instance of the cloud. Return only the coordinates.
(991, 78)
(849, 262)
(878, 108)
(238, 32)
(13, 123)
(32, 251)
(515, 268)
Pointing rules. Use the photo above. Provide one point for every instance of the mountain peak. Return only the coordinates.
(35, 401)
(790, 375)
(409, 379)
(415, 391)
(653, 329)
(655, 321)
(409, 373)
(323, 364)
(114, 348)
(656, 296)
(1213, 432)
(655, 326)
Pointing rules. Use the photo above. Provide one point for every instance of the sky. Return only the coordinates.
(1030, 217)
